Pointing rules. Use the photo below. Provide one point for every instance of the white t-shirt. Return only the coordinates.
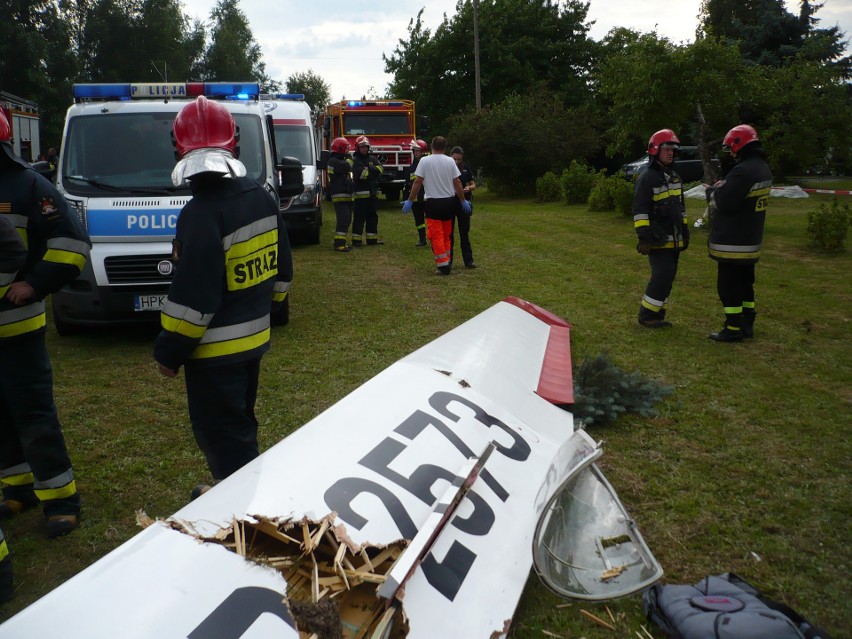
(438, 172)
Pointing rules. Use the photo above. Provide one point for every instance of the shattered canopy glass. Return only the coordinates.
(587, 547)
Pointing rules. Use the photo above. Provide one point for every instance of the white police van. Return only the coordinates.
(292, 126)
(115, 170)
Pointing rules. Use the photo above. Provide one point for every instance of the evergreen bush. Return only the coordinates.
(828, 226)
(611, 193)
(577, 182)
(548, 188)
(603, 392)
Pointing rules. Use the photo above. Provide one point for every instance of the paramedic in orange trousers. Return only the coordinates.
(438, 175)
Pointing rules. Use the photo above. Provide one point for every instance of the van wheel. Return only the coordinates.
(63, 328)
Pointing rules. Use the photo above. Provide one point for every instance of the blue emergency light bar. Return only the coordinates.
(359, 103)
(286, 96)
(165, 90)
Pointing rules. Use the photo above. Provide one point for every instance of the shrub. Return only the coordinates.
(828, 226)
(577, 182)
(548, 188)
(603, 392)
(612, 193)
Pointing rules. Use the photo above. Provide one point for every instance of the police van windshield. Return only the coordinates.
(134, 152)
(377, 124)
(294, 141)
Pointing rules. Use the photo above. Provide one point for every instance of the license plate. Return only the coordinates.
(148, 302)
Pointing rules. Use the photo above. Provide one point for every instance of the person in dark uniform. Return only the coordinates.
(339, 188)
(737, 206)
(659, 218)
(13, 254)
(418, 150)
(34, 463)
(462, 217)
(231, 269)
(366, 170)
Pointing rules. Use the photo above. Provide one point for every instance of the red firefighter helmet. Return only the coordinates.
(205, 124)
(5, 129)
(362, 140)
(738, 137)
(418, 145)
(663, 136)
(339, 145)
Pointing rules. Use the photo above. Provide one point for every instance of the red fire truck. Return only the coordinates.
(390, 125)
(23, 116)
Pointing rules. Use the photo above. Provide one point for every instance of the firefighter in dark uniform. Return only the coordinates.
(34, 463)
(659, 217)
(418, 150)
(462, 218)
(233, 266)
(339, 188)
(13, 254)
(737, 206)
(366, 170)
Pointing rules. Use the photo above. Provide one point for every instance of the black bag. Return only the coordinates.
(724, 607)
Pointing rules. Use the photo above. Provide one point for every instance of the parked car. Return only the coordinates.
(687, 164)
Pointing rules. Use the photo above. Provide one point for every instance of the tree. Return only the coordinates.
(233, 53)
(172, 44)
(316, 90)
(523, 137)
(523, 43)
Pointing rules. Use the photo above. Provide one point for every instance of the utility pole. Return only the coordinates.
(476, 54)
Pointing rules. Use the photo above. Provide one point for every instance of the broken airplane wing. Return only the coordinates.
(407, 509)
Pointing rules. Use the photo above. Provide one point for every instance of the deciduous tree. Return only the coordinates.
(317, 91)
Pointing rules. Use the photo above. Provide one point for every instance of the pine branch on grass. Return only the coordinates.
(603, 392)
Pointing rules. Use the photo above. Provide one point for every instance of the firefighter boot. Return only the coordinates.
(11, 507)
(59, 525)
(747, 325)
(731, 331)
(6, 584)
(421, 233)
(357, 241)
(650, 319)
(374, 241)
(340, 245)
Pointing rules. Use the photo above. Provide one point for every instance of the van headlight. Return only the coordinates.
(308, 195)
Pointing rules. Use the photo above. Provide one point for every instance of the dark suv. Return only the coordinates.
(687, 164)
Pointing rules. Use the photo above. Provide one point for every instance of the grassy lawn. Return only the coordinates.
(746, 469)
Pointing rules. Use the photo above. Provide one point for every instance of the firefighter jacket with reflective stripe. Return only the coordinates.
(408, 172)
(232, 267)
(659, 212)
(13, 253)
(366, 170)
(57, 246)
(737, 208)
(339, 178)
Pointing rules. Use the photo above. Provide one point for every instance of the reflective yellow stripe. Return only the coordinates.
(18, 480)
(230, 347)
(639, 223)
(181, 326)
(253, 261)
(748, 304)
(4, 550)
(735, 255)
(733, 310)
(65, 257)
(46, 494)
(3, 290)
(23, 326)
(279, 296)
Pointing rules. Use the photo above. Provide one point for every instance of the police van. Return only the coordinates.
(115, 170)
(292, 126)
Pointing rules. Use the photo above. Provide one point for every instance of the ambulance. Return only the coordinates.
(115, 171)
(292, 127)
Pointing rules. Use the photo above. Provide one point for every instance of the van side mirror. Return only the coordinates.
(322, 163)
(290, 183)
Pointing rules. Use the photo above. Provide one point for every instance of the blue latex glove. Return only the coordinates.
(406, 206)
(466, 206)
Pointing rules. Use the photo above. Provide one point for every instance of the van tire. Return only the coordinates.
(63, 328)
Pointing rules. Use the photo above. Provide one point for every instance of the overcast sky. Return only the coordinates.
(343, 42)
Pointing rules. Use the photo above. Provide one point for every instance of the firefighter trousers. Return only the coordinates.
(462, 220)
(366, 215)
(663, 263)
(221, 408)
(34, 462)
(343, 213)
(735, 284)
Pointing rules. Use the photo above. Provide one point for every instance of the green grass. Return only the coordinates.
(746, 469)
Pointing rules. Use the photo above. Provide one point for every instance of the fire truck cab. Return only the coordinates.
(390, 125)
(115, 171)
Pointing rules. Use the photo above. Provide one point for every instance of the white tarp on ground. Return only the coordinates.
(697, 192)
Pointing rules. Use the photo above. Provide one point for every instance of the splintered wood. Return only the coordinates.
(331, 585)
